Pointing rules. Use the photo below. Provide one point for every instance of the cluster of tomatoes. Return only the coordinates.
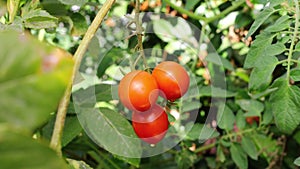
(139, 91)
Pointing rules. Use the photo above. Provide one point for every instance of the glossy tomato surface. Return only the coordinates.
(138, 90)
(151, 126)
(172, 79)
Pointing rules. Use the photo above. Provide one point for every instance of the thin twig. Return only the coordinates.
(139, 33)
(62, 109)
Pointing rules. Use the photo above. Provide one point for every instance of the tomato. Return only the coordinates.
(172, 79)
(138, 90)
(249, 120)
(151, 126)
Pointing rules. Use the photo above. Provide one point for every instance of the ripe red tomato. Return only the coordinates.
(250, 120)
(151, 126)
(172, 79)
(138, 90)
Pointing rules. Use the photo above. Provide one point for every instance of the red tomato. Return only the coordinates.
(249, 120)
(138, 90)
(151, 126)
(172, 79)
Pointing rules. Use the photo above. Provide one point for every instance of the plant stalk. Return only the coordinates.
(289, 60)
(203, 18)
(62, 109)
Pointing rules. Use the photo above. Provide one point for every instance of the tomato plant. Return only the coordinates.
(138, 90)
(234, 103)
(152, 125)
(172, 79)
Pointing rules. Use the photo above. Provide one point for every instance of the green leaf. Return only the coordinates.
(260, 19)
(185, 158)
(72, 129)
(249, 147)
(275, 49)
(220, 154)
(285, 105)
(78, 164)
(281, 24)
(257, 49)
(39, 19)
(216, 59)
(266, 145)
(261, 75)
(74, 2)
(274, 3)
(191, 105)
(12, 8)
(103, 92)
(33, 79)
(225, 117)
(242, 20)
(267, 115)
(297, 161)
(238, 156)
(109, 129)
(295, 75)
(297, 137)
(202, 132)
(252, 107)
(79, 26)
(19, 151)
(174, 29)
(191, 4)
(240, 119)
(297, 47)
(107, 60)
(215, 92)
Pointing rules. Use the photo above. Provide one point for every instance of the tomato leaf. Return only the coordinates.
(261, 75)
(107, 128)
(32, 80)
(240, 119)
(281, 24)
(295, 75)
(220, 154)
(297, 161)
(285, 105)
(260, 19)
(216, 59)
(225, 117)
(275, 49)
(18, 151)
(253, 107)
(257, 49)
(39, 19)
(238, 156)
(78, 164)
(249, 147)
(74, 2)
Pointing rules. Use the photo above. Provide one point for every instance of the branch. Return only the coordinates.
(295, 35)
(203, 18)
(62, 109)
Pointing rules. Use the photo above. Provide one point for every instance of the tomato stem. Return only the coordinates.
(63, 106)
(295, 34)
(139, 34)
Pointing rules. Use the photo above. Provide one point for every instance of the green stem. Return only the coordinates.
(12, 7)
(206, 147)
(139, 33)
(293, 40)
(62, 109)
(202, 18)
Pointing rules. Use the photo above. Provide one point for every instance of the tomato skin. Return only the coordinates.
(250, 120)
(138, 90)
(172, 79)
(151, 126)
